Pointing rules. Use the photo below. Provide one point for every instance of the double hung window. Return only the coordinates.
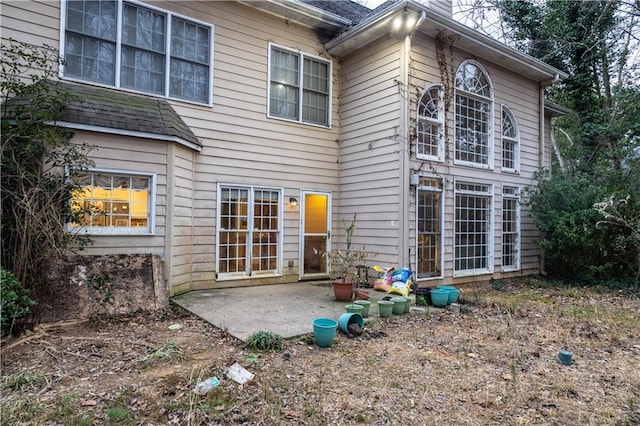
(141, 48)
(472, 245)
(299, 87)
(473, 116)
(430, 124)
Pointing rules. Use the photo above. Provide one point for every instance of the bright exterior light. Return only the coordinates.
(397, 22)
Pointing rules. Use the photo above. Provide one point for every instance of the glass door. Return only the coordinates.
(315, 233)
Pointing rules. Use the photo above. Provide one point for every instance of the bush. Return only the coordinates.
(16, 301)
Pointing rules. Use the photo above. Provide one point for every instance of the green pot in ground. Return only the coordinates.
(352, 308)
(398, 305)
(365, 307)
(385, 308)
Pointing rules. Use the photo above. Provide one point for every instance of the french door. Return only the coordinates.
(249, 231)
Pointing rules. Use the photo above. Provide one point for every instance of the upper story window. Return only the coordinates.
(430, 124)
(127, 45)
(473, 116)
(510, 141)
(113, 203)
(299, 87)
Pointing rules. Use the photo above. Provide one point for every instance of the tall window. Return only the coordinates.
(430, 124)
(510, 141)
(248, 231)
(429, 227)
(510, 228)
(157, 52)
(299, 86)
(113, 203)
(473, 117)
(472, 228)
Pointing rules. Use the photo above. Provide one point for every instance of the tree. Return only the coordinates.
(597, 43)
(35, 193)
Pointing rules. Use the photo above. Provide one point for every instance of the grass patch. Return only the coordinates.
(265, 341)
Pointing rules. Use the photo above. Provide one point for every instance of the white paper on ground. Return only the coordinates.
(239, 374)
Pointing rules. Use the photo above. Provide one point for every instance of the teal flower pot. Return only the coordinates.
(324, 331)
(440, 297)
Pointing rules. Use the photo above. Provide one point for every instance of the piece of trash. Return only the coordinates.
(239, 374)
(207, 385)
(507, 376)
(472, 355)
(88, 402)
(175, 326)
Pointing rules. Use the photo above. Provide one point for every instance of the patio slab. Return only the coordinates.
(286, 309)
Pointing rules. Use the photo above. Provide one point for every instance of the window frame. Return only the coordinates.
(119, 44)
(248, 271)
(489, 257)
(512, 192)
(475, 97)
(149, 230)
(424, 186)
(507, 112)
(301, 57)
(438, 121)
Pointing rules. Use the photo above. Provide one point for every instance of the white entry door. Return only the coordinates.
(315, 233)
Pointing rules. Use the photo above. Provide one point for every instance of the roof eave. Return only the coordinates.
(434, 24)
(302, 13)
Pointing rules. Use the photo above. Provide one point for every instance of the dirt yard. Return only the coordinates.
(493, 364)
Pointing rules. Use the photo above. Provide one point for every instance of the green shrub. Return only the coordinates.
(16, 301)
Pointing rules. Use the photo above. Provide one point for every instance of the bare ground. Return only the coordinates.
(493, 364)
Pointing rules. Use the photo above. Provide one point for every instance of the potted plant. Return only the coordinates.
(342, 263)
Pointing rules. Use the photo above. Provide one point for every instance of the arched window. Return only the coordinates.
(473, 116)
(430, 124)
(510, 141)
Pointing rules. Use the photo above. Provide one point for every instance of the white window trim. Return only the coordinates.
(490, 231)
(229, 276)
(490, 128)
(516, 196)
(300, 84)
(63, 26)
(440, 122)
(128, 231)
(442, 212)
(516, 141)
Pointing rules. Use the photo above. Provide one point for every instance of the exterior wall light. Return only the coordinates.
(293, 201)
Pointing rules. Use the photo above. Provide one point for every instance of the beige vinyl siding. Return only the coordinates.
(182, 210)
(369, 176)
(34, 22)
(125, 153)
(441, 6)
(237, 135)
(521, 96)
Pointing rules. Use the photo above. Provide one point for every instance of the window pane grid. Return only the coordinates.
(111, 201)
(249, 234)
(299, 87)
(472, 226)
(429, 229)
(510, 140)
(510, 228)
(472, 130)
(90, 49)
(429, 129)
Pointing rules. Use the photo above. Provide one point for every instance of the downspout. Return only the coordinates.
(541, 164)
(403, 140)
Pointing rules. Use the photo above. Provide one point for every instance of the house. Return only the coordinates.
(233, 138)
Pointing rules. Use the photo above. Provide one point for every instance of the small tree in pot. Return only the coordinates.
(342, 264)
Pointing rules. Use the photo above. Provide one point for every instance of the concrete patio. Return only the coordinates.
(286, 309)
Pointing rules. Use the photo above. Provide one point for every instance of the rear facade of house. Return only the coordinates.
(233, 138)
